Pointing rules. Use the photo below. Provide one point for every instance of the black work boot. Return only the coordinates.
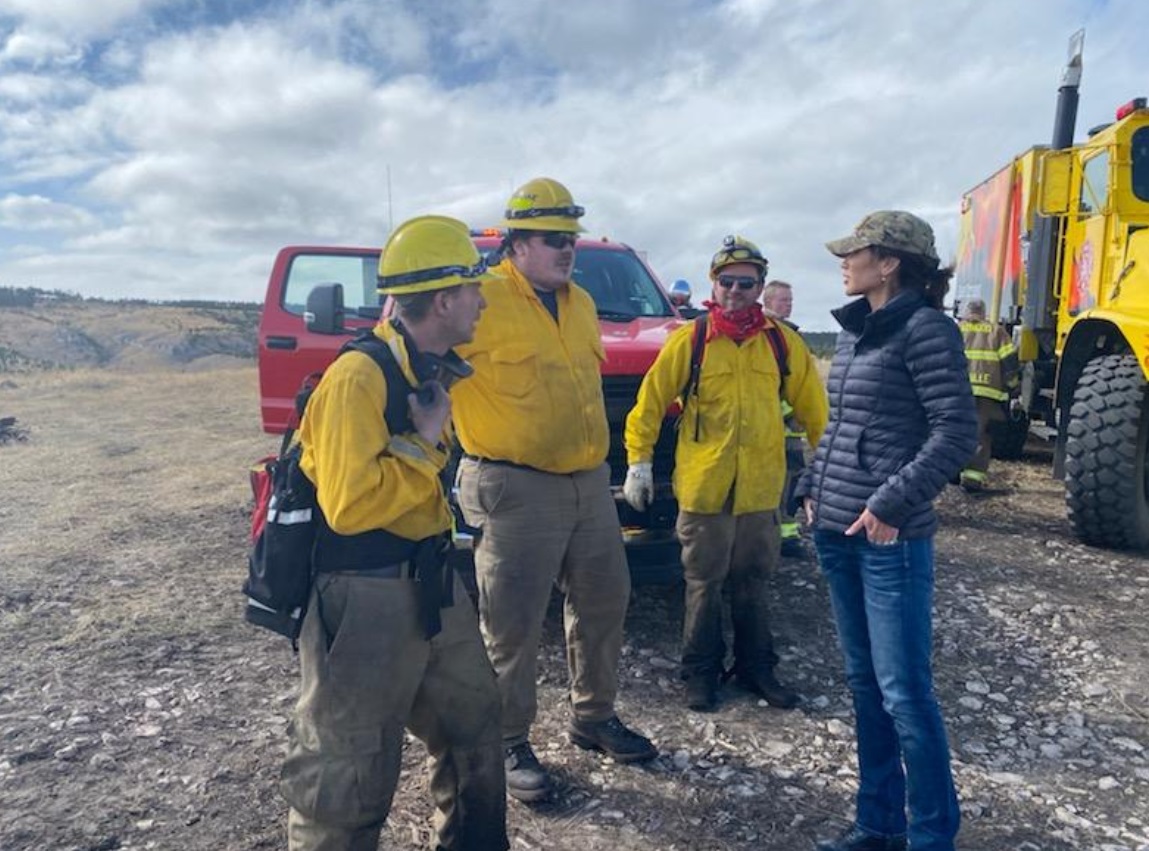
(972, 481)
(613, 738)
(702, 691)
(762, 682)
(527, 780)
(793, 548)
(856, 839)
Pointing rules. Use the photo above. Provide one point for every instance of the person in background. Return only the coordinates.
(729, 469)
(902, 423)
(680, 295)
(534, 480)
(778, 301)
(390, 641)
(993, 374)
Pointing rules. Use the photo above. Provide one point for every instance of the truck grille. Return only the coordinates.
(620, 392)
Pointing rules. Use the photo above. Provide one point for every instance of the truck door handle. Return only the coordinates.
(282, 343)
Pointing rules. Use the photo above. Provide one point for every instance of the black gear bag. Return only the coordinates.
(279, 573)
(286, 516)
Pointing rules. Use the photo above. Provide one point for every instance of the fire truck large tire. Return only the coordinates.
(1008, 436)
(1106, 463)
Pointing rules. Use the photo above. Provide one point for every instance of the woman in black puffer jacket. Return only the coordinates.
(902, 424)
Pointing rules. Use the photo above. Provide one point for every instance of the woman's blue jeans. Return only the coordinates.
(882, 597)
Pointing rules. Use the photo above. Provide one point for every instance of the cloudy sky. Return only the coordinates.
(167, 148)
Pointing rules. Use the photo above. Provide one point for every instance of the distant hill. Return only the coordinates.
(821, 343)
(52, 330)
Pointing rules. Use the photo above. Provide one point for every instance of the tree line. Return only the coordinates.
(31, 296)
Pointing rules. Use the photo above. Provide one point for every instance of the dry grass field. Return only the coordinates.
(121, 538)
(138, 711)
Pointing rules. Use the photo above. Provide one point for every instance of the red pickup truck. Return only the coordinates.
(306, 318)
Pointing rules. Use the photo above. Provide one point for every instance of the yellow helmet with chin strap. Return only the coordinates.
(738, 249)
(543, 204)
(429, 253)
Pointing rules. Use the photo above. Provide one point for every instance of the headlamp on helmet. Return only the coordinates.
(738, 249)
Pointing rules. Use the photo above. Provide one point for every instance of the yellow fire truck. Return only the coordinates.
(1057, 245)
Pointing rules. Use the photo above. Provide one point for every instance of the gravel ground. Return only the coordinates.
(138, 711)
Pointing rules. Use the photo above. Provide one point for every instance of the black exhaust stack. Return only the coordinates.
(1040, 310)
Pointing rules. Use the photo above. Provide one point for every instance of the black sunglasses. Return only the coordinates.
(743, 282)
(557, 240)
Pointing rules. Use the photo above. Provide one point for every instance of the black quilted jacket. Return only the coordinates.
(902, 417)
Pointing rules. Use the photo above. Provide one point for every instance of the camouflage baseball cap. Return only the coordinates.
(893, 229)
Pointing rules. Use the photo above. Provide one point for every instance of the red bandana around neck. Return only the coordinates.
(738, 325)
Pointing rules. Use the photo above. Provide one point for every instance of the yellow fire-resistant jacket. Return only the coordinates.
(741, 436)
(365, 477)
(536, 395)
(992, 359)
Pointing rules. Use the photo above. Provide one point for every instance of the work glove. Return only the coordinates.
(639, 485)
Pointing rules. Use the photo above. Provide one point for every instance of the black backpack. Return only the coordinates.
(286, 515)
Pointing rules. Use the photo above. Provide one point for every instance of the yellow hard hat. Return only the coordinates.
(543, 204)
(738, 249)
(429, 253)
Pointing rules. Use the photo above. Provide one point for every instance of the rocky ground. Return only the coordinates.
(138, 711)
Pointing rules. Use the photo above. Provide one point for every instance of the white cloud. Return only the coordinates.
(78, 17)
(27, 91)
(387, 31)
(37, 47)
(34, 212)
(673, 122)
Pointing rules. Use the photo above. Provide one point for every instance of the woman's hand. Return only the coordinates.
(808, 505)
(877, 533)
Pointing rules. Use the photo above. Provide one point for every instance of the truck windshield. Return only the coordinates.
(619, 284)
(1140, 144)
(617, 280)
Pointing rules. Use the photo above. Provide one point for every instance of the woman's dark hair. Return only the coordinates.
(917, 273)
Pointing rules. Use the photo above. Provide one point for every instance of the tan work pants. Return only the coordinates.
(538, 530)
(368, 673)
(737, 552)
(988, 411)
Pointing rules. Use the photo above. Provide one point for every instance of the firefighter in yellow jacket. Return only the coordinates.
(390, 641)
(730, 467)
(534, 481)
(993, 375)
(778, 302)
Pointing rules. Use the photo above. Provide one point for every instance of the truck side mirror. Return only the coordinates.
(325, 313)
(1055, 179)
